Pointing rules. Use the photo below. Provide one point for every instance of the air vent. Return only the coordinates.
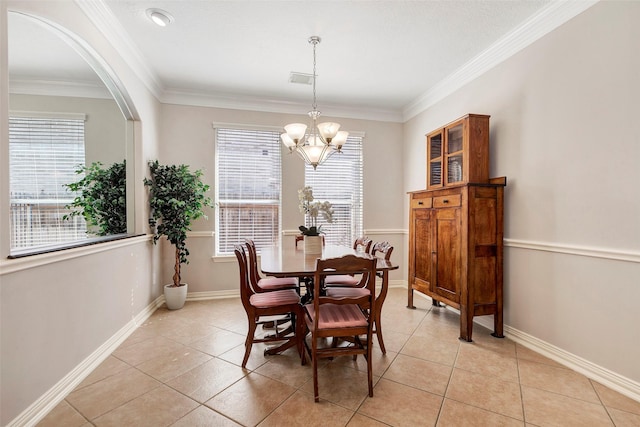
(301, 78)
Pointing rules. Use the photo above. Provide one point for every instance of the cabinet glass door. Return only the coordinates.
(453, 153)
(434, 151)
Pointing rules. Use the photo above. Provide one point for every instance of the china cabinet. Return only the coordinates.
(456, 226)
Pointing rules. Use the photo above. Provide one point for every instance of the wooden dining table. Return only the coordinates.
(292, 262)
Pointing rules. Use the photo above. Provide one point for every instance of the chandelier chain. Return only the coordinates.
(315, 104)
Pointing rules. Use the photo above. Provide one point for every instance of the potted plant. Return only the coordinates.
(312, 238)
(176, 198)
(101, 199)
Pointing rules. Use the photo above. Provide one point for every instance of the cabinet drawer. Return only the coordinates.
(452, 200)
(421, 203)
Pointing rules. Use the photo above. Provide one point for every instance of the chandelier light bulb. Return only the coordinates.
(328, 130)
(339, 140)
(296, 131)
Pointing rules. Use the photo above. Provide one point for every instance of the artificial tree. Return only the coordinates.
(176, 198)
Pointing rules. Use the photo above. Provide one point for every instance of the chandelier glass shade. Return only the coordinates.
(317, 142)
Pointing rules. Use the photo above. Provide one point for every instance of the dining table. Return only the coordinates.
(288, 261)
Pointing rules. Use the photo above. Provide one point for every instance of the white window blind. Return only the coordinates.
(339, 180)
(44, 154)
(248, 187)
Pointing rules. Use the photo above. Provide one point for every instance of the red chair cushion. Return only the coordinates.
(275, 298)
(341, 280)
(275, 283)
(338, 316)
(347, 292)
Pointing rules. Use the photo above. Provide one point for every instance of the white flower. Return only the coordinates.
(313, 209)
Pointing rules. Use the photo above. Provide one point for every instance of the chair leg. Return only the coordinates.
(369, 366)
(378, 310)
(301, 334)
(248, 343)
(314, 357)
(379, 335)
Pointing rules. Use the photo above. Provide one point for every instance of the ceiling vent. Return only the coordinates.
(301, 78)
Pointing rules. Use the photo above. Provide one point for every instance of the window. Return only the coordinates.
(44, 154)
(339, 180)
(248, 187)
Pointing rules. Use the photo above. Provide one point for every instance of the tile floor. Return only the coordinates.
(182, 368)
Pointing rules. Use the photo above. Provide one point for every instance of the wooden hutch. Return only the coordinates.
(456, 225)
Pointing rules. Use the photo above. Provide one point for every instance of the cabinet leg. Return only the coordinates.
(410, 299)
(466, 325)
(436, 303)
(497, 323)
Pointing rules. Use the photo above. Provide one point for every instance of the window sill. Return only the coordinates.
(223, 258)
(21, 253)
(18, 263)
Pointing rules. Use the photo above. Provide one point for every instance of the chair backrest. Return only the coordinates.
(363, 242)
(383, 248)
(245, 288)
(347, 264)
(252, 263)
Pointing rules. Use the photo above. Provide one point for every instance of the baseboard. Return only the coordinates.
(614, 381)
(202, 296)
(56, 394)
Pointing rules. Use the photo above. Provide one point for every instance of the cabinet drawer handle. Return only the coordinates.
(445, 201)
(420, 203)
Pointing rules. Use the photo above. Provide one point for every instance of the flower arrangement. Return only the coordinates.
(313, 209)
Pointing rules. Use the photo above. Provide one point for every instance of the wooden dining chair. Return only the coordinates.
(265, 284)
(273, 303)
(382, 250)
(360, 244)
(347, 317)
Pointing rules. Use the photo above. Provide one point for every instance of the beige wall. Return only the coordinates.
(563, 130)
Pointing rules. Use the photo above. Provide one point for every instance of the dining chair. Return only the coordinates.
(273, 303)
(361, 243)
(382, 250)
(342, 317)
(265, 284)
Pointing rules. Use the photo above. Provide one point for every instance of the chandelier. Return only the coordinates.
(321, 140)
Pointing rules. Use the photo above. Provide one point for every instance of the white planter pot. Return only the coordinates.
(175, 296)
(313, 245)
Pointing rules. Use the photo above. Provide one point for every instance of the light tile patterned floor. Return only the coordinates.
(182, 368)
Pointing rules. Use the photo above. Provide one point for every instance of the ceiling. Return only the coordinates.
(376, 58)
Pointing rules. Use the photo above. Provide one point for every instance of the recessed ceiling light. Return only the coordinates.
(160, 17)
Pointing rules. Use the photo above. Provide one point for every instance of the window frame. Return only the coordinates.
(52, 118)
(321, 195)
(277, 233)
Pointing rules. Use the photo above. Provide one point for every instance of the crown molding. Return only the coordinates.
(239, 102)
(59, 88)
(540, 24)
(102, 17)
